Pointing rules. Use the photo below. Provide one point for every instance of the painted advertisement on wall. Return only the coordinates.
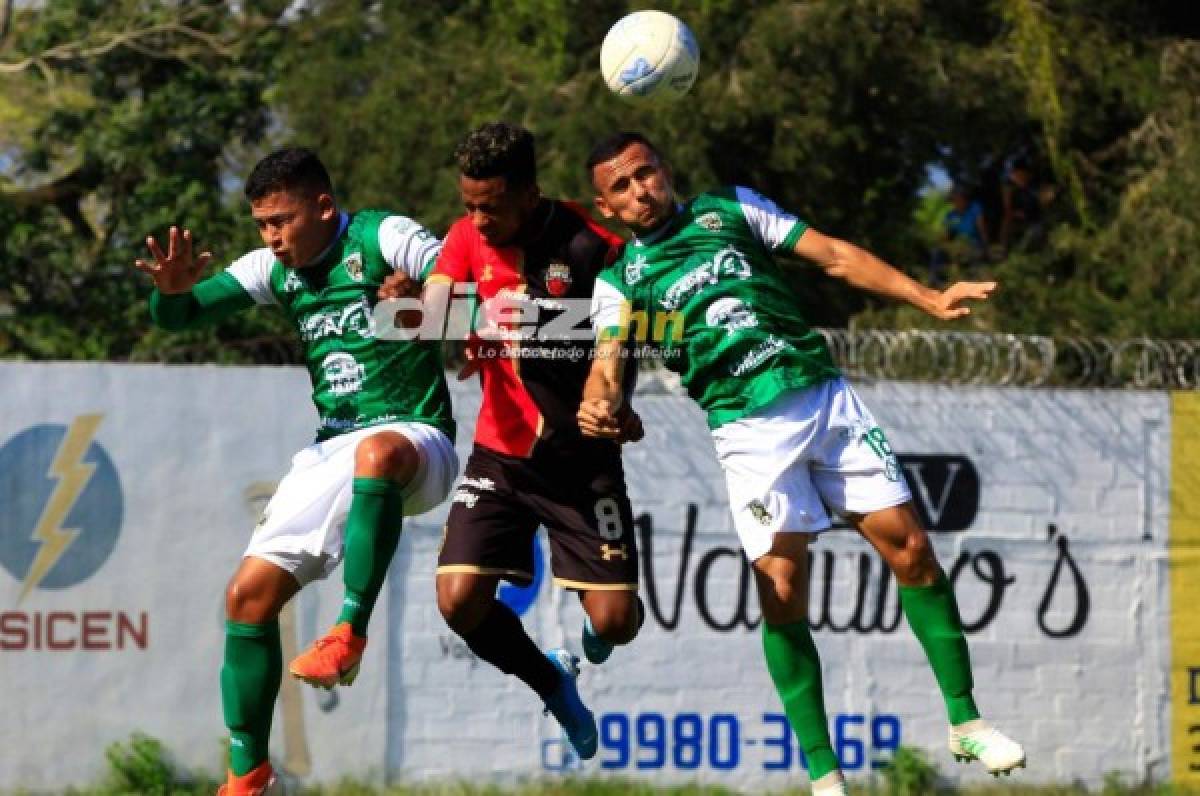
(130, 493)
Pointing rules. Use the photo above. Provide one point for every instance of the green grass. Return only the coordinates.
(143, 766)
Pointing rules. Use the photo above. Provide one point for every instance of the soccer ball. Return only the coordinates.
(649, 54)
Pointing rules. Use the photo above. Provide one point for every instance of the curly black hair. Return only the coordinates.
(294, 168)
(498, 149)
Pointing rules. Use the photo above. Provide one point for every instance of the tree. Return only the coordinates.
(135, 106)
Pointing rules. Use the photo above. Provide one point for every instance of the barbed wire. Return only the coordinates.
(977, 358)
(1015, 360)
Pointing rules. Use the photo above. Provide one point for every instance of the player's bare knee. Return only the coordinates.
(461, 605)
(386, 455)
(245, 601)
(914, 564)
(782, 602)
(616, 622)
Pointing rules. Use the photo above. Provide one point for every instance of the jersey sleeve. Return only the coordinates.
(609, 313)
(208, 303)
(253, 273)
(407, 246)
(454, 261)
(775, 228)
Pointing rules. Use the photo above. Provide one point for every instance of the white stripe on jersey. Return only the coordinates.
(253, 273)
(769, 222)
(607, 302)
(407, 246)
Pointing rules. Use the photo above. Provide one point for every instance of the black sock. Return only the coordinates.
(501, 640)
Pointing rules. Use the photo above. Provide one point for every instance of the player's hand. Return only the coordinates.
(631, 426)
(597, 419)
(398, 285)
(949, 304)
(471, 366)
(176, 271)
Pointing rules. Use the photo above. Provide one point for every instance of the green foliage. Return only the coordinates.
(145, 152)
(911, 774)
(142, 766)
(139, 766)
(835, 108)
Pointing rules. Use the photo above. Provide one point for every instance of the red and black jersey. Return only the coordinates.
(532, 387)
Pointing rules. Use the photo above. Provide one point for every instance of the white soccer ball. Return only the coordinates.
(649, 54)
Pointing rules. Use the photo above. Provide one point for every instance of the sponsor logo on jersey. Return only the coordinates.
(354, 266)
(609, 552)
(758, 355)
(728, 262)
(468, 499)
(337, 322)
(487, 274)
(730, 314)
(710, 221)
(558, 279)
(343, 373)
(634, 269)
(292, 283)
(482, 484)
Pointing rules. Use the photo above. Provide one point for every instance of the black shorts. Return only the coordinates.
(501, 501)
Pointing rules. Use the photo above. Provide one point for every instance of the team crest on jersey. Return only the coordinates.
(710, 221)
(760, 512)
(558, 279)
(354, 266)
(634, 269)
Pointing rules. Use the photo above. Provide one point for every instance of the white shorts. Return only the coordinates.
(811, 449)
(301, 529)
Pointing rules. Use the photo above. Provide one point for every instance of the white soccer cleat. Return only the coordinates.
(976, 740)
(832, 784)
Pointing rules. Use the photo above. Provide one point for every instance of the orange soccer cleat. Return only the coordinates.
(259, 781)
(332, 659)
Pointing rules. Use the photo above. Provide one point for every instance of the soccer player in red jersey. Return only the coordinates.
(531, 465)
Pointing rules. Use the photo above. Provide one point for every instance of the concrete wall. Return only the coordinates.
(127, 494)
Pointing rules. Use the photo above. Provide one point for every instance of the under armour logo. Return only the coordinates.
(609, 552)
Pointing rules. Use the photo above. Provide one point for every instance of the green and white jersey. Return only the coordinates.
(707, 291)
(358, 380)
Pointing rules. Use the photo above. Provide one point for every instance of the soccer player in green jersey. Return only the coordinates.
(384, 449)
(791, 434)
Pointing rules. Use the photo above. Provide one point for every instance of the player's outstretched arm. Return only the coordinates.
(865, 271)
(602, 395)
(180, 300)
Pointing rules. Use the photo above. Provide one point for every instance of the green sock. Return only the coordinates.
(249, 684)
(795, 668)
(372, 533)
(932, 613)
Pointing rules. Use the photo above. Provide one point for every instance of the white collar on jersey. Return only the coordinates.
(343, 222)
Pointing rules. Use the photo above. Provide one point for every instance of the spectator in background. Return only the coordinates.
(967, 237)
(1021, 220)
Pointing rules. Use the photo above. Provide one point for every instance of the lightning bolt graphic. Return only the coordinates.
(72, 475)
